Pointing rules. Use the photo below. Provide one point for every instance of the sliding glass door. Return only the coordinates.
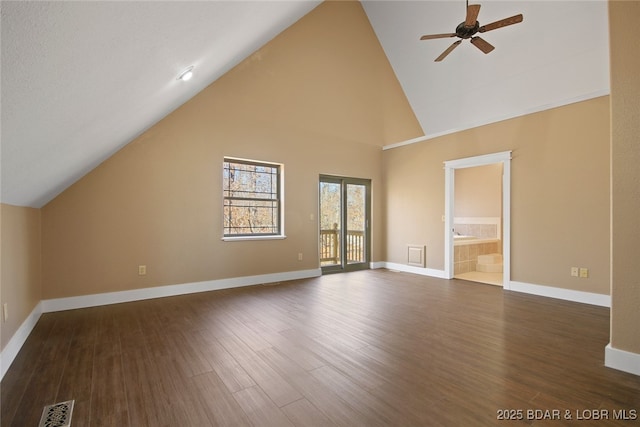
(345, 205)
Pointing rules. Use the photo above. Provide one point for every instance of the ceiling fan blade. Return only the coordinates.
(501, 23)
(472, 15)
(437, 36)
(448, 51)
(482, 44)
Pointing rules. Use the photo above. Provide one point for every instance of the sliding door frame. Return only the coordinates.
(344, 265)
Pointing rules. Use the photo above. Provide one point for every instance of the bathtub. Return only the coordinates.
(460, 237)
(470, 240)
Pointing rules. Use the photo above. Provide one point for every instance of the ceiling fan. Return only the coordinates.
(469, 28)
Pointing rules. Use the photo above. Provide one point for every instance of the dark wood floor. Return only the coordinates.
(370, 348)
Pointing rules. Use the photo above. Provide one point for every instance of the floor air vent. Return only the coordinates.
(57, 415)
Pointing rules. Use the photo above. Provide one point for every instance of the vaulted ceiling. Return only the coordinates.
(557, 55)
(82, 79)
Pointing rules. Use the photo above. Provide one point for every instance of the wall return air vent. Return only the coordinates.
(416, 255)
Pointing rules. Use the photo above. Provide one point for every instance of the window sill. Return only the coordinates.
(242, 238)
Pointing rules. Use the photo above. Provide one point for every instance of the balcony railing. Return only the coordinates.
(330, 246)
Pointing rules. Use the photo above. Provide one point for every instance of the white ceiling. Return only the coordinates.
(557, 55)
(82, 79)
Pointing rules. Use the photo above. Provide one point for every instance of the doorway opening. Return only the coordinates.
(477, 224)
(477, 219)
(344, 235)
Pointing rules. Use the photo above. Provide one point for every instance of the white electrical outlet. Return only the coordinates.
(574, 272)
(5, 311)
(299, 256)
(142, 270)
(584, 272)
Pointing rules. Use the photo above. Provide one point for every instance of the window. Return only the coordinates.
(252, 198)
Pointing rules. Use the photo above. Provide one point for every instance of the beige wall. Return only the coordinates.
(20, 267)
(559, 201)
(321, 98)
(625, 173)
(478, 191)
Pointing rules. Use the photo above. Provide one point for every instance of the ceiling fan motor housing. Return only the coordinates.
(465, 32)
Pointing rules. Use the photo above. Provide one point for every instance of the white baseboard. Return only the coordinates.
(411, 269)
(528, 288)
(16, 342)
(622, 360)
(561, 293)
(70, 303)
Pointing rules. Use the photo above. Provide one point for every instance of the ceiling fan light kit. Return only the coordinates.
(469, 28)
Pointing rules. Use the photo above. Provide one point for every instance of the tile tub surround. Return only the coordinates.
(465, 253)
(480, 227)
(481, 231)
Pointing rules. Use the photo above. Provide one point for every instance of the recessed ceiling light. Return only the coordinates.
(186, 74)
